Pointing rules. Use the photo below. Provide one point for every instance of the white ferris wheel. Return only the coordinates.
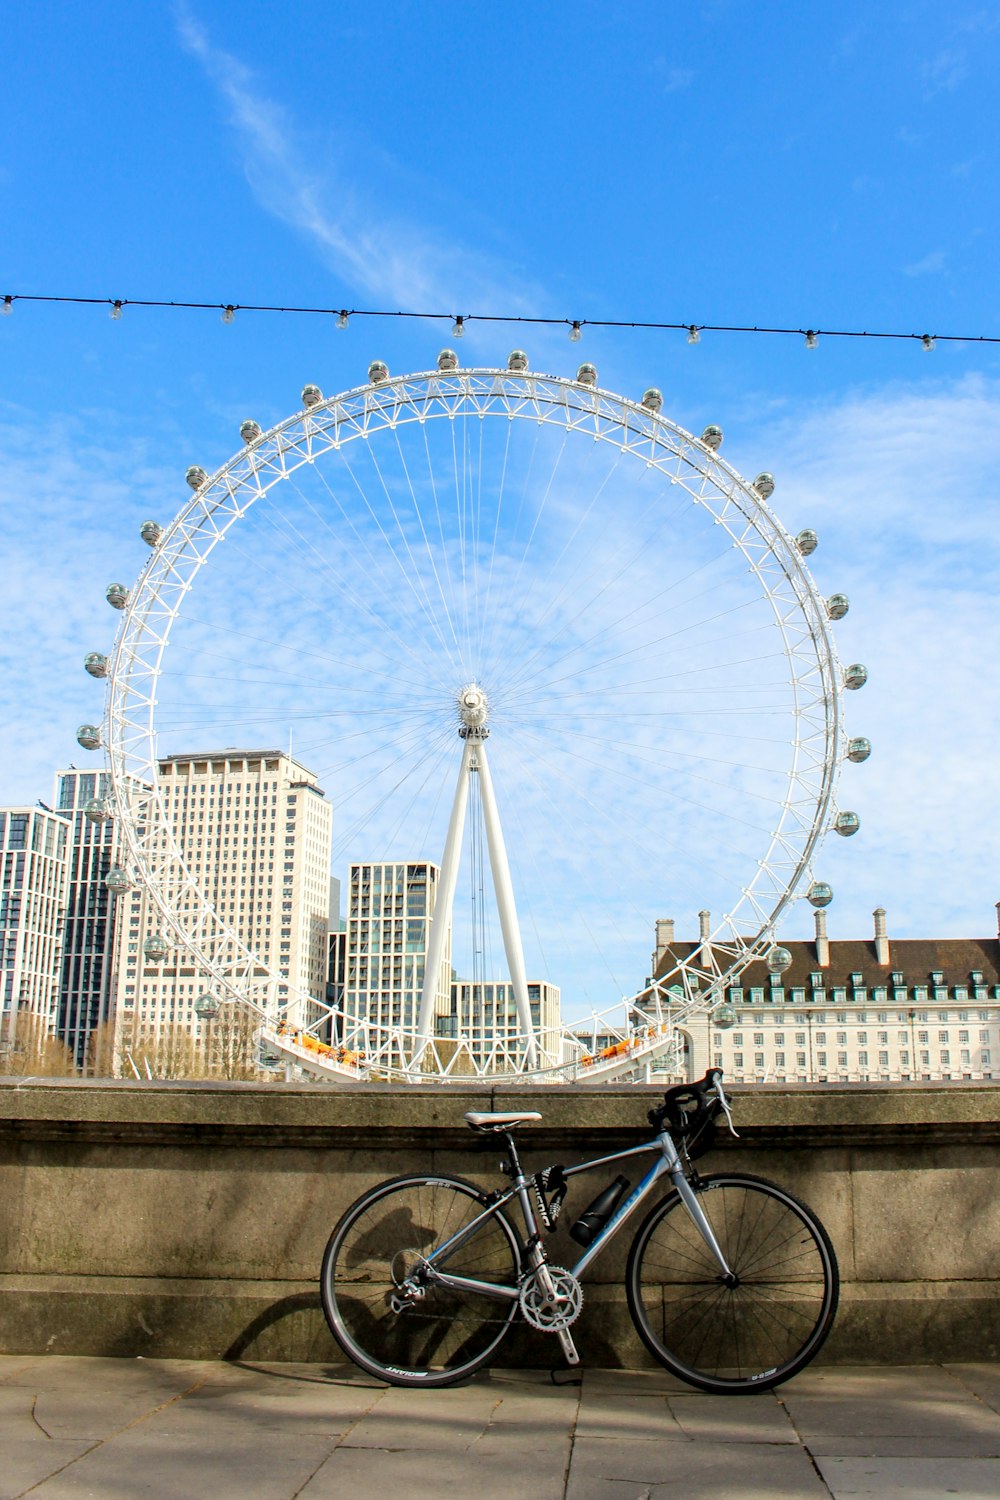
(523, 629)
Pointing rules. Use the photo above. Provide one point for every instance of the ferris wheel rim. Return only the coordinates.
(374, 407)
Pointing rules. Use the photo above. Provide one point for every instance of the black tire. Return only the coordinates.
(445, 1335)
(733, 1340)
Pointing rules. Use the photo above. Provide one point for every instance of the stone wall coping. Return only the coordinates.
(320, 1117)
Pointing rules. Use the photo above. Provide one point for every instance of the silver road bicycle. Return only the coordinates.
(731, 1282)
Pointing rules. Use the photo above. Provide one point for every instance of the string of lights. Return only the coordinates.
(460, 321)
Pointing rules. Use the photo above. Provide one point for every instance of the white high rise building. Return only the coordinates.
(254, 829)
(389, 911)
(485, 1013)
(33, 869)
(86, 992)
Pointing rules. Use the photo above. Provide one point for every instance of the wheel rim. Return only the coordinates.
(754, 1332)
(444, 1332)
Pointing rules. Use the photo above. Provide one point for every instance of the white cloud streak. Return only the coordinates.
(375, 252)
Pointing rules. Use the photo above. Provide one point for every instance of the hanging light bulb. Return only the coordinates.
(342, 319)
(576, 332)
(116, 310)
(812, 339)
(458, 327)
(229, 314)
(927, 339)
(8, 306)
(694, 334)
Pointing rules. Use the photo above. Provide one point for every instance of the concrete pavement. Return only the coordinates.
(72, 1428)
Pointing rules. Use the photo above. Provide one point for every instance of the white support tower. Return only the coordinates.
(473, 710)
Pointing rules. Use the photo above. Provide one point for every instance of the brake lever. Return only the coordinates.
(724, 1102)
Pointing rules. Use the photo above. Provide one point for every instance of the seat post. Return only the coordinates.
(515, 1162)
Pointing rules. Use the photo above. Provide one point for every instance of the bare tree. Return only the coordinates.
(29, 1050)
(232, 1049)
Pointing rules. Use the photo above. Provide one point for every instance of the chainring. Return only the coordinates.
(551, 1313)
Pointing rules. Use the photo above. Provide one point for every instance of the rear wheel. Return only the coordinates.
(768, 1324)
(383, 1308)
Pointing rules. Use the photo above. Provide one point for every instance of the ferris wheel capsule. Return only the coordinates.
(116, 595)
(778, 960)
(652, 399)
(118, 880)
(378, 372)
(586, 375)
(99, 810)
(447, 361)
(855, 676)
(764, 485)
(847, 823)
(517, 361)
(156, 947)
(807, 541)
(819, 894)
(250, 431)
(859, 749)
(195, 476)
(723, 1017)
(96, 663)
(150, 533)
(311, 395)
(206, 1007)
(837, 606)
(88, 737)
(712, 437)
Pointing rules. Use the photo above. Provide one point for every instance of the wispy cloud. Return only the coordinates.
(922, 579)
(671, 78)
(374, 251)
(929, 265)
(944, 73)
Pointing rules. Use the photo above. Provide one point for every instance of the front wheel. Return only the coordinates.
(763, 1326)
(379, 1295)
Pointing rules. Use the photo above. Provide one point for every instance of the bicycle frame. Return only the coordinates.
(668, 1164)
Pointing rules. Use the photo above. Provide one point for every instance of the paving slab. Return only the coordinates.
(603, 1470)
(74, 1428)
(911, 1478)
(982, 1380)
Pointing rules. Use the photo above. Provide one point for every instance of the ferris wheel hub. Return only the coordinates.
(473, 709)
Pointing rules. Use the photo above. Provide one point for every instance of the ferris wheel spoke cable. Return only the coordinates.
(632, 651)
(282, 526)
(399, 568)
(411, 571)
(585, 601)
(428, 550)
(486, 612)
(340, 586)
(344, 664)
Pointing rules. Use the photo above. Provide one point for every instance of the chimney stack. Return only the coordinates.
(704, 933)
(881, 937)
(664, 938)
(822, 942)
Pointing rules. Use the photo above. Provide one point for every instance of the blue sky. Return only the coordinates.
(822, 166)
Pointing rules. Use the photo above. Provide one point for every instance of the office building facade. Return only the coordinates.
(254, 829)
(33, 875)
(853, 1011)
(86, 991)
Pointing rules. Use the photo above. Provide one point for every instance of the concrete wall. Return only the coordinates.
(189, 1219)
